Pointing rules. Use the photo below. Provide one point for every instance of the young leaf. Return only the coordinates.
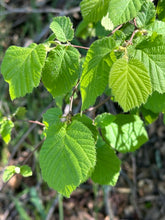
(25, 171)
(146, 15)
(126, 133)
(62, 27)
(8, 173)
(61, 70)
(122, 11)
(21, 68)
(96, 67)
(5, 130)
(107, 167)
(67, 156)
(156, 102)
(107, 23)
(151, 51)
(94, 10)
(52, 117)
(130, 83)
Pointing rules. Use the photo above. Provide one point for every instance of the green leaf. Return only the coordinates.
(146, 15)
(104, 119)
(161, 10)
(122, 11)
(94, 10)
(62, 27)
(148, 116)
(126, 133)
(61, 70)
(67, 156)
(5, 130)
(52, 117)
(151, 52)
(25, 171)
(88, 123)
(157, 26)
(107, 167)
(22, 67)
(156, 102)
(8, 173)
(99, 59)
(130, 83)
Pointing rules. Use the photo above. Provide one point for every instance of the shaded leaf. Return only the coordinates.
(107, 167)
(94, 10)
(151, 52)
(146, 15)
(61, 70)
(126, 133)
(156, 102)
(99, 59)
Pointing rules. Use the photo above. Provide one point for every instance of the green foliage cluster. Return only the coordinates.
(130, 61)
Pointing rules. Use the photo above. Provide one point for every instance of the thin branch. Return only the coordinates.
(52, 208)
(77, 46)
(134, 21)
(132, 36)
(29, 10)
(32, 152)
(72, 96)
(97, 106)
(36, 122)
(26, 134)
(116, 29)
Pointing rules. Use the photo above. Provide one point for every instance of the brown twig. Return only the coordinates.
(117, 28)
(72, 96)
(97, 106)
(32, 152)
(132, 36)
(36, 122)
(81, 47)
(134, 21)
